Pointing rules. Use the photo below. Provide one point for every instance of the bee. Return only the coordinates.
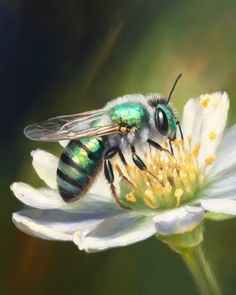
(95, 137)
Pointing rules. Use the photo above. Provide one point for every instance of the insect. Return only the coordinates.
(95, 137)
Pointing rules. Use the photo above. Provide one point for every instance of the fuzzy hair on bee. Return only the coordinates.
(154, 99)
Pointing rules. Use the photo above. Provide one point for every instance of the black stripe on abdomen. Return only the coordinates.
(69, 180)
(68, 161)
(67, 197)
(78, 166)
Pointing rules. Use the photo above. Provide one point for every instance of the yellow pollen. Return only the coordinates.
(130, 198)
(212, 136)
(128, 169)
(148, 202)
(196, 149)
(181, 142)
(117, 167)
(210, 160)
(168, 188)
(192, 177)
(183, 176)
(176, 142)
(148, 193)
(159, 190)
(189, 139)
(168, 180)
(205, 102)
(188, 189)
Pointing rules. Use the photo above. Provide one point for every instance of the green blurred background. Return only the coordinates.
(70, 56)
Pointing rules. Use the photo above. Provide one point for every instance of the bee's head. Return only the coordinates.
(165, 118)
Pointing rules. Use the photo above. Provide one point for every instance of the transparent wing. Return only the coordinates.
(70, 127)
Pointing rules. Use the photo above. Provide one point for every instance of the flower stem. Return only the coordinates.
(200, 269)
(188, 245)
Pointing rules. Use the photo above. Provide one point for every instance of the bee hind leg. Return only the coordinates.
(109, 174)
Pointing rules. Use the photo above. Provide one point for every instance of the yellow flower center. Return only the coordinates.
(168, 182)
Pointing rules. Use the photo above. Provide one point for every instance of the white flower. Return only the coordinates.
(172, 197)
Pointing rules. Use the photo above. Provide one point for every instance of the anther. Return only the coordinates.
(210, 160)
(130, 198)
(178, 194)
(190, 139)
(212, 136)
(205, 102)
(196, 149)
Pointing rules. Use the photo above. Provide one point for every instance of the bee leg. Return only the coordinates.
(160, 148)
(136, 159)
(121, 155)
(180, 130)
(171, 148)
(108, 171)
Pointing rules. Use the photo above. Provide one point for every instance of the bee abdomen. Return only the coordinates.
(78, 167)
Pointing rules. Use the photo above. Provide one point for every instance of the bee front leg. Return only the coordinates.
(159, 147)
(109, 174)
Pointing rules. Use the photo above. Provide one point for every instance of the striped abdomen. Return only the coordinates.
(78, 166)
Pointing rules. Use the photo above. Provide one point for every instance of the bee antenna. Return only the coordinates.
(173, 88)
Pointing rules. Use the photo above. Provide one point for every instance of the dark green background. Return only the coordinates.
(70, 56)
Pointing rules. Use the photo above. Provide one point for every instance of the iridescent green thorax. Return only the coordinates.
(171, 118)
(131, 114)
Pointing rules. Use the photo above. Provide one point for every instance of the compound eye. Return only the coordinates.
(161, 121)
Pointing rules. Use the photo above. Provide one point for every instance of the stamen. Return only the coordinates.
(149, 202)
(168, 180)
(189, 139)
(129, 169)
(205, 102)
(159, 189)
(117, 168)
(130, 198)
(124, 178)
(178, 194)
(196, 149)
(212, 136)
(154, 176)
(210, 160)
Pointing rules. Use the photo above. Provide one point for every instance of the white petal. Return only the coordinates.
(224, 206)
(60, 224)
(178, 220)
(101, 186)
(57, 224)
(225, 164)
(223, 172)
(50, 199)
(116, 231)
(64, 143)
(221, 188)
(191, 110)
(37, 198)
(45, 164)
(201, 120)
(33, 228)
